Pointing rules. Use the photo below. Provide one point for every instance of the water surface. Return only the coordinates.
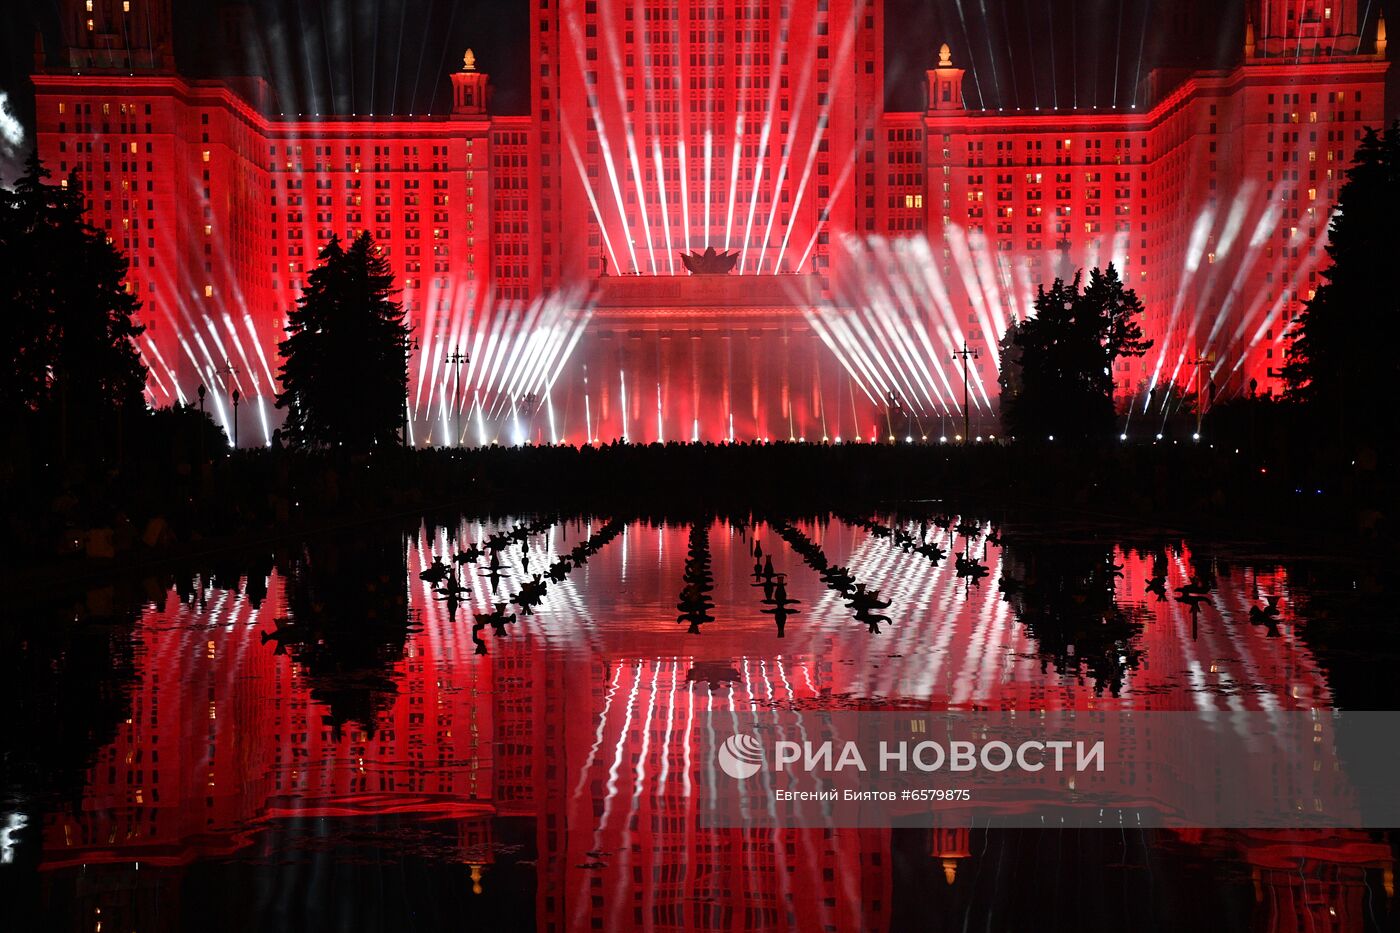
(320, 739)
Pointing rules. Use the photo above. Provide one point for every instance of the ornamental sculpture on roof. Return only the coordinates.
(710, 262)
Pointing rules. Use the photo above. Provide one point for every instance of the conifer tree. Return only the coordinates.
(1337, 364)
(1057, 366)
(344, 362)
(70, 355)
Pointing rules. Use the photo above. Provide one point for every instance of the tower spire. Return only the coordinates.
(945, 83)
(469, 87)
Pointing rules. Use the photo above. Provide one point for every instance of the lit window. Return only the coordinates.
(126, 6)
(208, 291)
(90, 24)
(133, 147)
(206, 155)
(1312, 194)
(89, 6)
(208, 229)
(62, 107)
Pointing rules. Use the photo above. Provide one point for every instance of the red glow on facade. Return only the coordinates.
(758, 128)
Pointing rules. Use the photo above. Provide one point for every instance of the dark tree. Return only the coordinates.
(70, 351)
(1066, 597)
(1057, 366)
(1338, 362)
(345, 360)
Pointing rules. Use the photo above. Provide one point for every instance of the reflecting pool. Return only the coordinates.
(491, 723)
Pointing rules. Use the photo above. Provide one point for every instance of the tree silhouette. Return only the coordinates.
(345, 360)
(1057, 367)
(70, 353)
(1337, 362)
(1065, 595)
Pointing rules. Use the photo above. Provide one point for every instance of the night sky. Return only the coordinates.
(381, 55)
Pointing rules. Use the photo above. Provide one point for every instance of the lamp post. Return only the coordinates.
(457, 358)
(231, 371)
(965, 354)
(235, 418)
(201, 392)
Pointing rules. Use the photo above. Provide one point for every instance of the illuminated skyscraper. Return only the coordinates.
(547, 247)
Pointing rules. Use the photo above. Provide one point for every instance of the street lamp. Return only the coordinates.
(231, 371)
(235, 418)
(457, 358)
(201, 391)
(965, 354)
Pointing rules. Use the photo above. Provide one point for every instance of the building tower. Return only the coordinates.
(945, 84)
(128, 36)
(469, 88)
(1305, 29)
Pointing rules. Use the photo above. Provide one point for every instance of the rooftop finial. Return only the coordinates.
(469, 61)
(945, 56)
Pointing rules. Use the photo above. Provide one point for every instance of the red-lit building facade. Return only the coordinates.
(756, 126)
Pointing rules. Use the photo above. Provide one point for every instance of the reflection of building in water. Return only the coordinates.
(583, 718)
(633, 791)
(1306, 881)
(223, 735)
